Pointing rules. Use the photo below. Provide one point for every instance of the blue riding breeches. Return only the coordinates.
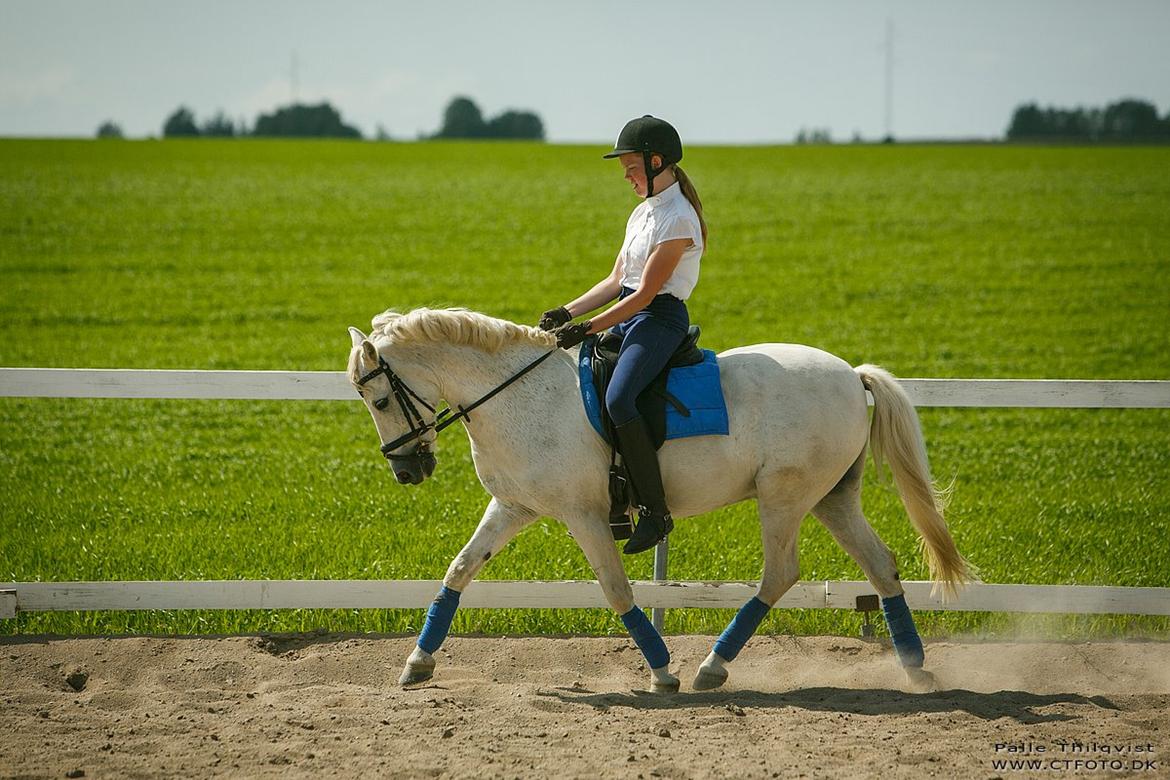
(649, 338)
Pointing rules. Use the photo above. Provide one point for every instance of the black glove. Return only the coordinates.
(554, 318)
(572, 334)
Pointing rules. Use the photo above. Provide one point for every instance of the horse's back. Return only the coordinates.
(805, 405)
(791, 370)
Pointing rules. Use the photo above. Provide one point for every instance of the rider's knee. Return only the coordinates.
(621, 409)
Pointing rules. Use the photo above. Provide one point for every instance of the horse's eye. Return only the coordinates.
(381, 404)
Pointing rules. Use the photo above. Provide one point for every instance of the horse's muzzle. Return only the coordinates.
(412, 469)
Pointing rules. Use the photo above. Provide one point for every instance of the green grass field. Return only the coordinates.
(933, 261)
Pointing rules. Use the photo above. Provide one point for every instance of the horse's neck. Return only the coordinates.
(515, 432)
(466, 374)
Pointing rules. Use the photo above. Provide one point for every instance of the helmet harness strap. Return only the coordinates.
(651, 172)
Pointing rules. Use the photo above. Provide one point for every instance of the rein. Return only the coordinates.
(444, 417)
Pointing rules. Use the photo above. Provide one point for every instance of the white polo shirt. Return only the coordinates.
(663, 217)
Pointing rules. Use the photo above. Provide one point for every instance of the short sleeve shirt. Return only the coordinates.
(663, 217)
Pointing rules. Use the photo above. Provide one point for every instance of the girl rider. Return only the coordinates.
(654, 274)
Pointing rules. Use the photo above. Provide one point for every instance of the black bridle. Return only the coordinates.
(405, 396)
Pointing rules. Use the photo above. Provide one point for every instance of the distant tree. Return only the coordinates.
(516, 124)
(1082, 124)
(109, 129)
(1030, 122)
(1126, 120)
(381, 133)
(305, 121)
(180, 124)
(817, 135)
(1132, 120)
(219, 125)
(462, 119)
(1027, 122)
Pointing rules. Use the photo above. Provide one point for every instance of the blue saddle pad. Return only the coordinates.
(696, 387)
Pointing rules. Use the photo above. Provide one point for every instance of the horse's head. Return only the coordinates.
(406, 430)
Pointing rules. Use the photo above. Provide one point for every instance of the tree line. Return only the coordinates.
(1130, 120)
(297, 120)
(1126, 121)
(461, 119)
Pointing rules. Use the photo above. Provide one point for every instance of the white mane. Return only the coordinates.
(456, 326)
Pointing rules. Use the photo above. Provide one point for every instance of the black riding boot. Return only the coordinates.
(641, 460)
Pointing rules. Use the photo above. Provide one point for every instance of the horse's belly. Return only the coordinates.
(704, 473)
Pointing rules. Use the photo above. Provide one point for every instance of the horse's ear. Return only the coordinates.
(356, 336)
(368, 348)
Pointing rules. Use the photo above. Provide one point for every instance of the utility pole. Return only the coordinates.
(889, 80)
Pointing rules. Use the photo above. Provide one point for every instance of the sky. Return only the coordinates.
(725, 72)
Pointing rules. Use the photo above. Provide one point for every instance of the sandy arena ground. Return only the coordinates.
(328, 705)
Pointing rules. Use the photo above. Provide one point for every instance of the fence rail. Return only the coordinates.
(333, 386)
(521, 594)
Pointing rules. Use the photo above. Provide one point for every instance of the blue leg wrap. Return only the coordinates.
(647, 638)
(740, 629)
(907, 643)
(439, 617)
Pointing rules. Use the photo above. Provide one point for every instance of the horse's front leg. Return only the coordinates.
(593, 535)
(500, 523)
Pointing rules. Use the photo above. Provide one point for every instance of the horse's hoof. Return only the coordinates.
(921, 680)
(664, 686)
(414, 673)
(709, 678)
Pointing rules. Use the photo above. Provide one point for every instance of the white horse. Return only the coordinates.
(798, 433)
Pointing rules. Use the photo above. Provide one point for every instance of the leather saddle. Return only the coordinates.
(652, 401)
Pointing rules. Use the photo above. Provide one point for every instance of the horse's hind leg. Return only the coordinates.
(780, 519)
(840, 512)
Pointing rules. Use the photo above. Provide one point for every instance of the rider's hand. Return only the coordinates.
(572, 334)
(554, 318)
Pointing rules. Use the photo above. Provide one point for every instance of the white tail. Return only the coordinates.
(896, 437)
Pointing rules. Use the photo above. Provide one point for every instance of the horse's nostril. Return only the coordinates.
(403, 476)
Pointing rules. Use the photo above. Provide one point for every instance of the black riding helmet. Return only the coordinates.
(649, 135)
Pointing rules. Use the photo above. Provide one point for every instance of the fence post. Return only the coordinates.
(7, 604)
(661, 550)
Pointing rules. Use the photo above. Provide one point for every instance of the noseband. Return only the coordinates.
(403, 394)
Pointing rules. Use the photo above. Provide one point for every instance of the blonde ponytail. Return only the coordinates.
(688, 190)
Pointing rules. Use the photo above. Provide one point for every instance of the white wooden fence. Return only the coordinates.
(660, 594)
